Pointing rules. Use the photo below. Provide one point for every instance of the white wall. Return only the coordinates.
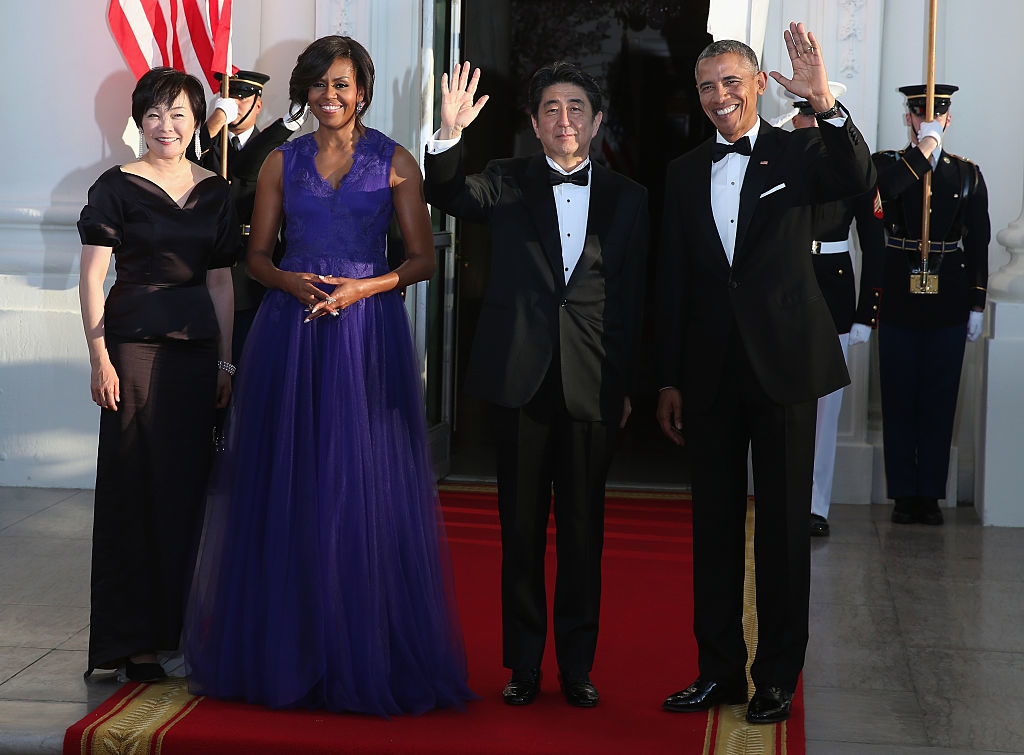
(68, 92)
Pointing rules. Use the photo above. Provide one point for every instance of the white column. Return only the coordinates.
(1001, 475)
(744, 20)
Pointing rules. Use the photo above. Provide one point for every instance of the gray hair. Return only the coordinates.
(723, 46)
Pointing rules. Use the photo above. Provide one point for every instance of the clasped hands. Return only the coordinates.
(306, 288)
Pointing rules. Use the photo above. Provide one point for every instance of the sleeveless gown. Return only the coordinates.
(324, 578)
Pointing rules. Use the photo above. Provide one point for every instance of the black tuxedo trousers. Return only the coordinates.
(539, 444)
(740, 415)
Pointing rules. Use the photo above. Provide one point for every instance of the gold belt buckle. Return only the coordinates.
(245, 229)
(922, 281)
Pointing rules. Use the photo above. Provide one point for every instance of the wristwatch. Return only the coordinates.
(832, 112)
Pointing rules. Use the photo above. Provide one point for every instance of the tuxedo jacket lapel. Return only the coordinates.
(540, 204)
(754, 183)
(700, 195)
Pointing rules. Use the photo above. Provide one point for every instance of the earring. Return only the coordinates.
(142, 142)
(199, 149)
(359, 106)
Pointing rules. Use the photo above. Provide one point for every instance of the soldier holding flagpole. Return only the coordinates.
(237, 151)
(925, 290)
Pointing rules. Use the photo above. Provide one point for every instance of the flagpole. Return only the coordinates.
(224, 83)
(929, 115)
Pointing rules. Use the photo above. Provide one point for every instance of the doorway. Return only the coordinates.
(642, 52)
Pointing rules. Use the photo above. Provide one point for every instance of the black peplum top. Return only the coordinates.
(161, 253)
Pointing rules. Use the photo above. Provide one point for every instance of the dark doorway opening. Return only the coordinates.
(642, 52)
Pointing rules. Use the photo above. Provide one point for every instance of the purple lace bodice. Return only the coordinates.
(338, 231)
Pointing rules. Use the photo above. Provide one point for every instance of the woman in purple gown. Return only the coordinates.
(323, 578)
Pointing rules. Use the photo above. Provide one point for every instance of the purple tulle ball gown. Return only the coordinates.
(323, 578)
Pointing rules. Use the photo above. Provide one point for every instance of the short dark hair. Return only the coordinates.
(160, 87)
(561, 72)
(314, 61)
(723, 46)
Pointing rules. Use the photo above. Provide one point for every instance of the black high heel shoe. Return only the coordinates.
(143, 672)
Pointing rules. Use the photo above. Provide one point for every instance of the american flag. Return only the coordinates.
(190, 35)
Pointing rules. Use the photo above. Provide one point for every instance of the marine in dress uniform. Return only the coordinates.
(248, 147)
(921, 336)
(833, 268)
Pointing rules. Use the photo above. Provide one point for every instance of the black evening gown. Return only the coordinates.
(154, 451)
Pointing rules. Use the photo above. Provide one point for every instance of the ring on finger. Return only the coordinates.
(331, 300)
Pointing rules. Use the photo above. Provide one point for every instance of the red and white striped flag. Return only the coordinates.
(193, 36)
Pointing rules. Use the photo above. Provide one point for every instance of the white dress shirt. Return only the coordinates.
(572, 206)
(572, 203)
(245, 136)
(726, 183)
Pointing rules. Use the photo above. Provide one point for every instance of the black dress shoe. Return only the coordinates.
(143, 672)
(819, 526)
(928, 511)
(769, 705)
(522, 687)
(705, 694)
(578, 690)
(904, 511)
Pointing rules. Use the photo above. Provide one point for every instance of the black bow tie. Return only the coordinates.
(579, 178)
(719, 150)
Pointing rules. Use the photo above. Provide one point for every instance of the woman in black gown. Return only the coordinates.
(158, 349)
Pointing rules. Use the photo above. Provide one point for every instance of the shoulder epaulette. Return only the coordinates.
(958, 157)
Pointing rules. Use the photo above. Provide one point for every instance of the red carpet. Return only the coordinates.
(646, 651)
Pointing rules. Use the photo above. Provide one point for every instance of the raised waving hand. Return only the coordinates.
(810, 81)
(457, 107)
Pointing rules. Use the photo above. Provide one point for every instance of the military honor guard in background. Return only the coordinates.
(922, 333)
(248, 147)
(833, 267)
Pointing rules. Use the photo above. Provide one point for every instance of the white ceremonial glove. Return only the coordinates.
(228, 106)
(859, 333)
(932, 129)
(974, 322)
(299, 112)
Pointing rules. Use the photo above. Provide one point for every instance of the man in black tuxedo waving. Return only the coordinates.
(746, 347)
(554, 352)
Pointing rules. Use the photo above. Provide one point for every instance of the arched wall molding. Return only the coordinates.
(851, 35)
